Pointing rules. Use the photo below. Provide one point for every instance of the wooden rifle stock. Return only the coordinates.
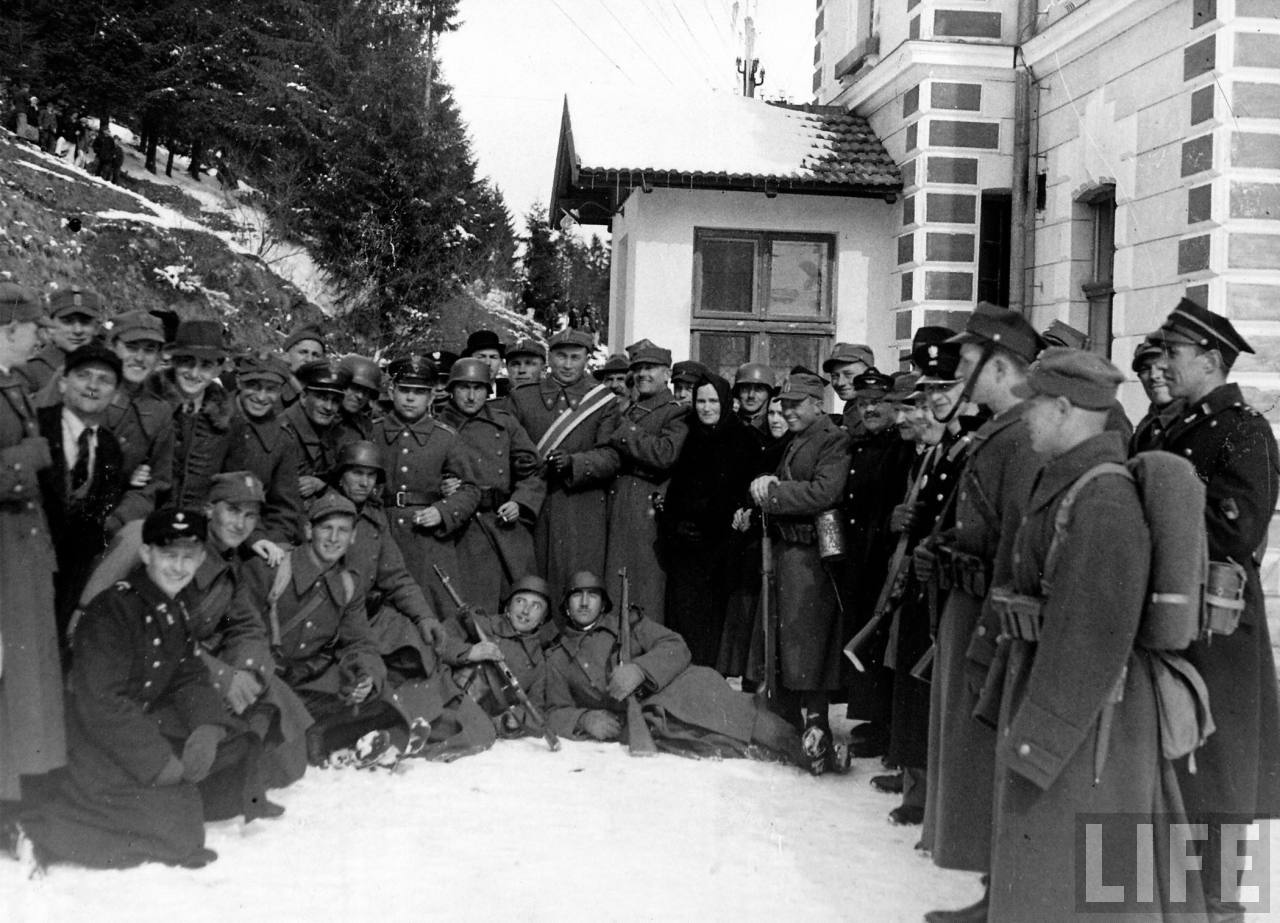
(639, 740)
(504, 681)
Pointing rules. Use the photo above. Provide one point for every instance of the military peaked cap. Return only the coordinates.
(91, 353)
(571, 336)
(415, 370)
(872, 383)
(845, 353)
(330, 503)
(237, 487)
(1086, 379)
(323, 375)
(647, 352)
(164, 527)
(616, 364)
(990, 325)
(75, 301)
(1190, 323)
(136, 327)
(527, 348)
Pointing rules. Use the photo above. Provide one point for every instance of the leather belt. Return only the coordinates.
(403, 498)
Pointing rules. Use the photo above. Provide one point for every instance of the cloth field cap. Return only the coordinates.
(414, 370)
(18, 305)
(800, 385)
(483, 339)
(756, 373)
(1190, 323)
(935, 358)
(137, 327)
(199, 339)
(1063, 334)
(616, 364)
(689, 371)
(90, 354)
(469, 370)
(529, 584)
(330, 503)
(845, 353)
(75, 300)
(647, 352)
(237, 487)
(904, 388)
(571, 336)
(527, 348)
(305, 332)
(872, 383)
(1086, 379)
(1144, 353)
(164, 527)
(990, 325)
(323, 375)
(364, 454)
(262, 366)
(365, 373)
(585, 580)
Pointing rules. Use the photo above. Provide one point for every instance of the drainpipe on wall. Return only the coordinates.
(1022, 256)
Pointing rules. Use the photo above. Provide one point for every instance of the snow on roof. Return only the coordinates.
(711, 135)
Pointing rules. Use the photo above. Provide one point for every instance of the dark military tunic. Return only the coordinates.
(317, 452)
(812, 479)
(137, 690)
(43, 367)
(419, 457)
(201, 439)
(265, 449)
(503, 464)
(143, 425)
(1149, 432)
(994, 487)
(1234, 452)
(642, 444)
(31, 732)
(571, 533)
(524, 654)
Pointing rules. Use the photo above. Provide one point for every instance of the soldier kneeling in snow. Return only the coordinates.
(153, 753)
(689, 709)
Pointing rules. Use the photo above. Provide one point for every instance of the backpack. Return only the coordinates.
(1175, 612)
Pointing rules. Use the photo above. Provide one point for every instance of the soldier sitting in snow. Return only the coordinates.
(153, 753)
(689, 709)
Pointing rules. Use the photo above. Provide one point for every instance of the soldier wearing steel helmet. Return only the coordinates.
(355, 420)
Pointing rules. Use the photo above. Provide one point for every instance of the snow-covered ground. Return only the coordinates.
(522, 833)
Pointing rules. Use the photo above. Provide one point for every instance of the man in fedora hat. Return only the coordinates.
(808, 483)
(613, 374)
(996, 347)
(640, 445)
(497, 544)
(563, 415)
(1234, 452)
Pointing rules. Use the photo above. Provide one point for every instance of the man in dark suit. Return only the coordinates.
(86, 480)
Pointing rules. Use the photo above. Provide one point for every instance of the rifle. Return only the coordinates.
(894, 584)
(769, 626)
(639, 740)
(505, 681)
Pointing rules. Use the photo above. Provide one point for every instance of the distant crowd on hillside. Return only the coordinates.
(60, 128)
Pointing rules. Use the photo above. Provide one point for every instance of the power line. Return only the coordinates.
(557, 5)
(644, 51)
(688, 60)
(709, 57)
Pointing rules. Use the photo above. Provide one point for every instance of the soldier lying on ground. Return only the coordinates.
(690, 710)
(153, 753)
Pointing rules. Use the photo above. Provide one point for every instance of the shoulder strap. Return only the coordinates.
(348, 587)
(1063, 515)
(280, 580)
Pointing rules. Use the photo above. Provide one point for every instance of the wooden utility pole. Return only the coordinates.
(749, 65)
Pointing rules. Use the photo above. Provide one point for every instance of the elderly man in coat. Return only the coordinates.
(563, 414)
(995, 349)
(153, 752)
(641, 444)
(421, 454)
(31, 724)
(809, 483)
(1080, 729)
(496, 547)
(689, 709)
(1232, 447)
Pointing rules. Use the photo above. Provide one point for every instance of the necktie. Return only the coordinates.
(80, 470)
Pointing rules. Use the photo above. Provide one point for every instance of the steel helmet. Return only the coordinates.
(755, 373)
(365, 373)
(585, 580)
(362, 453)
(529, 584)
(475, 371)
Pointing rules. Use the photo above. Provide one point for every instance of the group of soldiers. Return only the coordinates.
(218, 569)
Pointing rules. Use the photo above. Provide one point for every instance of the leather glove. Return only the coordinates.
(242, 691)
(200, 749)
(904, 517)
(171, 774)
(625, 679)
(925, 562)
(601, 725)
(432, 632)
(559, 463)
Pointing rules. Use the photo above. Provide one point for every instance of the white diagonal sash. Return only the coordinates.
(571, 419)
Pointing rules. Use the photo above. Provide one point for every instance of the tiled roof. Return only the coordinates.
(720, 141)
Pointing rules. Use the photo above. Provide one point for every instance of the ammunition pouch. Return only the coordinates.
(1021, 617)
(963, 571)
(1224, 597)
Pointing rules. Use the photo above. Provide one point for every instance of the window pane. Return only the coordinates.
(797, 275)
(786, 351)
(724, 352)
(728, 276)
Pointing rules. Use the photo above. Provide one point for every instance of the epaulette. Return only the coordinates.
(444, 426)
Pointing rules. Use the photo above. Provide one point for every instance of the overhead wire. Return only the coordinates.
(588, 37)
(700, 51)
(643, 50)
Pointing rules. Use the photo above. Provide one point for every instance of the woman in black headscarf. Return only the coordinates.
(707, 485)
